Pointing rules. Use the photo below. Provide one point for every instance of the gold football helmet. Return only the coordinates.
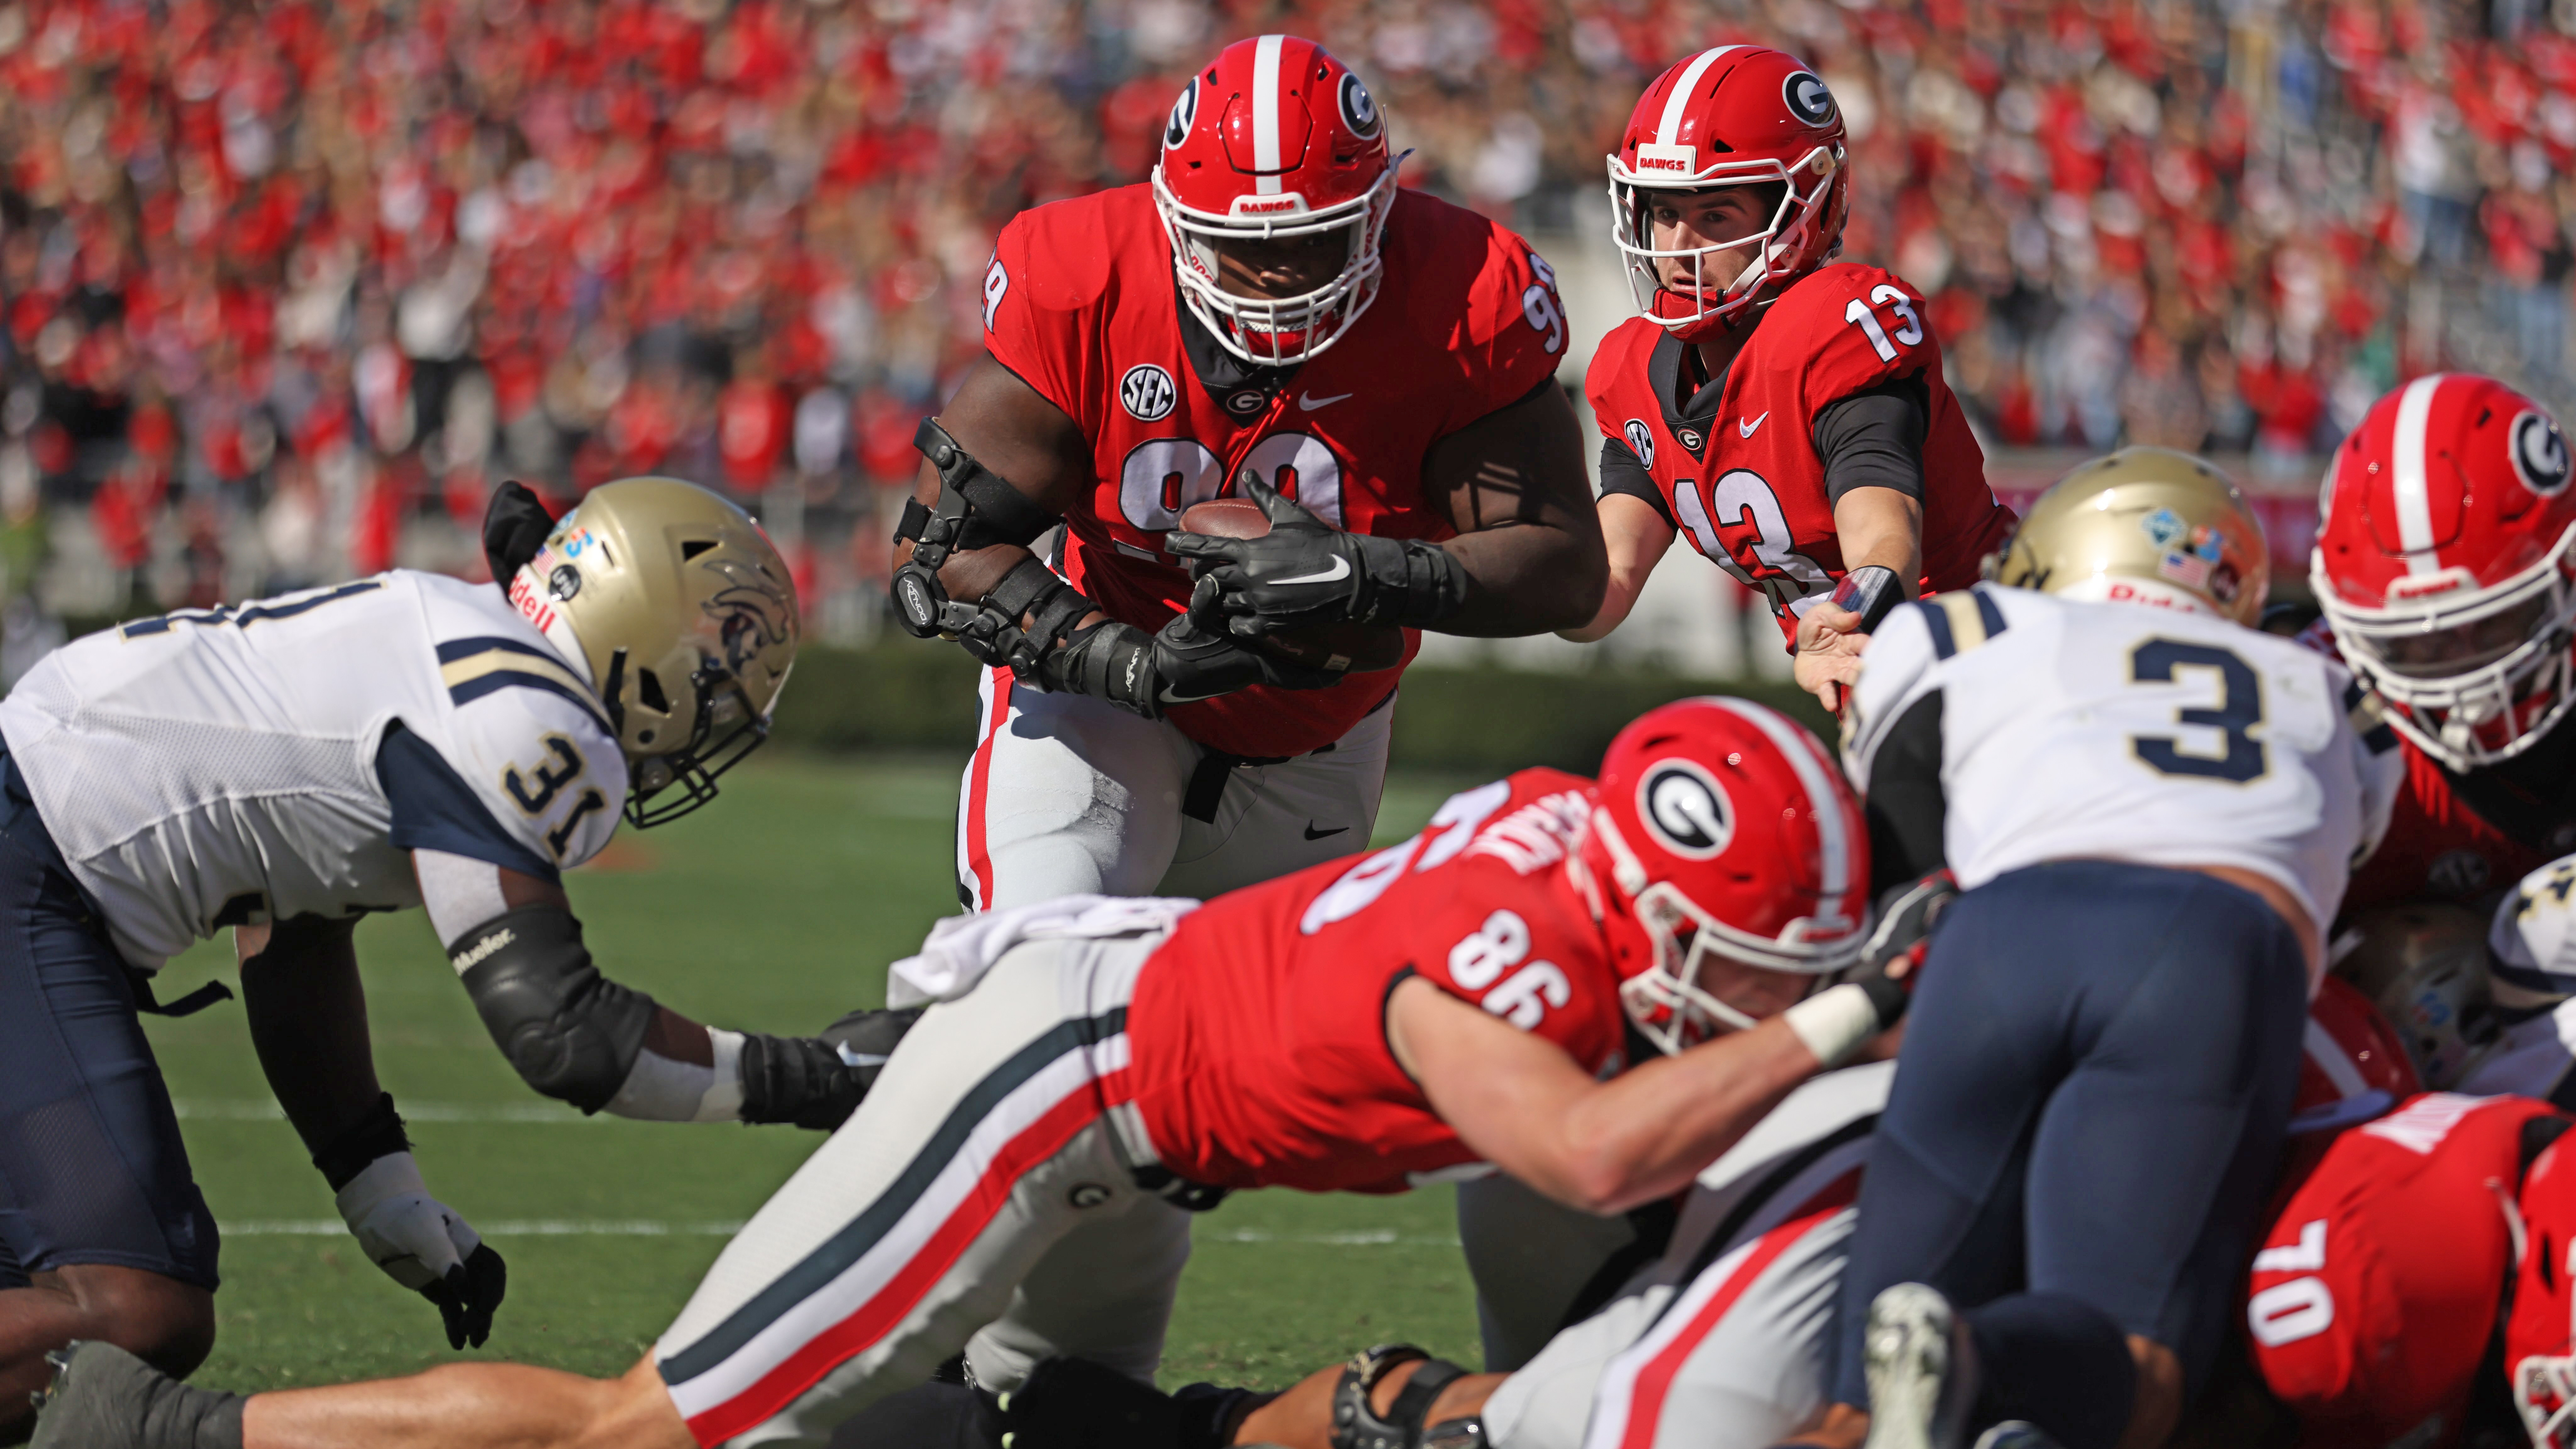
(2425, 966)
(686, 620)
(2142, 524)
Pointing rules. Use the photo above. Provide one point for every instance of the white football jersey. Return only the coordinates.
(2124, 731)
(217, 767)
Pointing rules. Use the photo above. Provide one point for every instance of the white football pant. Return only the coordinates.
(981, 1198)
(1070, 795)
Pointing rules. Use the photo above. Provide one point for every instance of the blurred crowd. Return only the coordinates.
(284, 288)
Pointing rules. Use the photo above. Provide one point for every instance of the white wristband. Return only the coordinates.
(1834, 1023)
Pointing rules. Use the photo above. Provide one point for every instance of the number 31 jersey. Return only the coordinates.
(1743, 481)
(220, 767)
(2062, 730)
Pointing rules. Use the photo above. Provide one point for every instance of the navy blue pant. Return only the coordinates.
(2091, 1099)
(91, 1166)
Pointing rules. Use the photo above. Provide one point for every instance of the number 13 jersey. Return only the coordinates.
(2062, 730)
(1738, 473)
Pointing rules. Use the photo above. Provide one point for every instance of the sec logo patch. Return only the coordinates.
(1641, 441)
(1147, 392)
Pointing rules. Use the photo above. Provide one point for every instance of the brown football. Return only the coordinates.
(1357, 648)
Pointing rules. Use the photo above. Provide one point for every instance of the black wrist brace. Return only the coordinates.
(1407, 582)
(377, 1134)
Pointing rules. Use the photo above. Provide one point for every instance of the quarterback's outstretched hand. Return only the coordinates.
(1830, 645)
(422, 1244)
(1305, 571)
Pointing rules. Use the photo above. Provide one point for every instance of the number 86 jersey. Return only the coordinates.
(1734, 466)
(2043, 729)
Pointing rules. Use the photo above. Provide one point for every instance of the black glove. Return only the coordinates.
(1906, 915)
(468, 1294)
(1072, 1403)
(1305, 571)
(515, 526)
(800, 1080)
(1142, 673)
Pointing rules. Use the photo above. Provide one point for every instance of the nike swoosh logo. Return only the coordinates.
(850, 1058)
(1746, 429)
(1313, 834)
(1341, 569)
(1308, 402)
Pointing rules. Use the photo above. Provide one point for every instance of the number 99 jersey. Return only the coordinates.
(1735, 469)
(2054, 729)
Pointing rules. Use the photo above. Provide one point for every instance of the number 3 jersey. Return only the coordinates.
(259, 762)
(1735, 468)
(1258, 1031)
(1080, 304)
(2022, 728)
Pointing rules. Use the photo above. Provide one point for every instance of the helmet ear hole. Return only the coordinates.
(648, 689)
(693, 547)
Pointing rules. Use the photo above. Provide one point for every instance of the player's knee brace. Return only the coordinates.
(1357, 1425)
(572, 1033)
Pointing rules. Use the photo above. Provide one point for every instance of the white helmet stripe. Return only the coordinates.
(1815, 774)
(1265, 112)
(2329, 1057)
(1668, 130)
(2406, 475)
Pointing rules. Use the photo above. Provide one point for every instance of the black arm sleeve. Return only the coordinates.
(1906, 807)
(1622, 473)
(1873, 439)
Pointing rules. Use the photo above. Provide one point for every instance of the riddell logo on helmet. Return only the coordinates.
(531, 603)
(1676, 160)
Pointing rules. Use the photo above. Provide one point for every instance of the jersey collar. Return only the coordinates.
(1245, 390)
(1690, 425)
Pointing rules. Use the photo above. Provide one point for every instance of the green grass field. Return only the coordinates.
(775, 909)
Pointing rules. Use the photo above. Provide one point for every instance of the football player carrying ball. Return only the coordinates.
(1782, 410)
(1271, 319)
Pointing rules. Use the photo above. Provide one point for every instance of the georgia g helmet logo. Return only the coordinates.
(1185, 112)
(2539, 454)
(1685, 809)
(1808, 99)
(1359, 108)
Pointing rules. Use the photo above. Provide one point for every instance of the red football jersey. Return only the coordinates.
(1079, 302)
(2375, 1291)
(1257, 1034)
(1744, 484)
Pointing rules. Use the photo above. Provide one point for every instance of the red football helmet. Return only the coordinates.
(2442, 562)
(1723, 832)
(2540, 1333)
(2354, 1066)
(1275, 140)
(1737, 115)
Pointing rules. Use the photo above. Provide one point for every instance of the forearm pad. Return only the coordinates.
(1405, 581)
(1110, 661)
(572, 1033)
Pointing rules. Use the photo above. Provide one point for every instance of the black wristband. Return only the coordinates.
(1871, 591)
(1887, 997)
(377, 1134)
(1407, 582)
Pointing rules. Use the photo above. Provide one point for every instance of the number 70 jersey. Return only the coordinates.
(1742, 481)
(2065, 730)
